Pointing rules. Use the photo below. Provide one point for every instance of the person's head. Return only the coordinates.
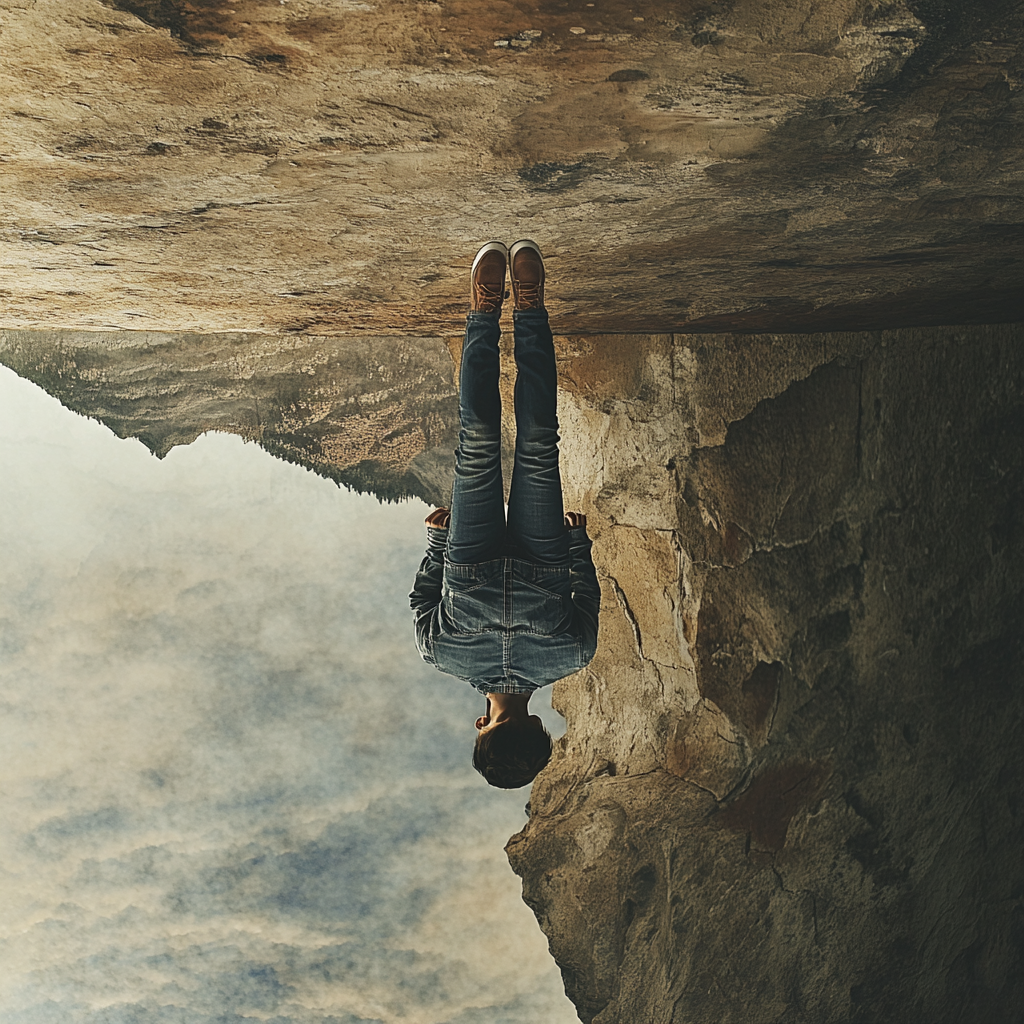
(511, 754)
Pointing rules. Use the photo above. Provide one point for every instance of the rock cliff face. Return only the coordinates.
(789, 790)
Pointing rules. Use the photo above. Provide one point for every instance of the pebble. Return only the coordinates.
(577, 30)
(521, 40)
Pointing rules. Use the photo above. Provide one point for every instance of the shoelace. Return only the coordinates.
(529, 294)
(489, 293)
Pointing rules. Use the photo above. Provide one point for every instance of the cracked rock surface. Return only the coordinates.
(789, 786)
(330, 167)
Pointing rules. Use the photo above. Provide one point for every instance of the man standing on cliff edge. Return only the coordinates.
(512, 605)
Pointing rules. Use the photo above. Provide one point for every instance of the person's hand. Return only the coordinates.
(575, 519)
(438, 518)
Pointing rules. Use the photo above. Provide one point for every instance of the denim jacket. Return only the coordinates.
(506, 625)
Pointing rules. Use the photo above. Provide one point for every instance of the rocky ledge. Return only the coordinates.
(326, 168)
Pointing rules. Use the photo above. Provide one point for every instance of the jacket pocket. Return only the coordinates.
(538, 610)
(469, 605)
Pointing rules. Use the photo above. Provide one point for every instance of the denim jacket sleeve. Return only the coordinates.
(425, 598)
(586, 592)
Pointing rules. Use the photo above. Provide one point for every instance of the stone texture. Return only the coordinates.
(330, 167)
(789, 790)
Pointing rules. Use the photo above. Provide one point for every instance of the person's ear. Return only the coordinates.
(482, 721)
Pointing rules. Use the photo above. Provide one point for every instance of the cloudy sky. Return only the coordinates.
(230, 788)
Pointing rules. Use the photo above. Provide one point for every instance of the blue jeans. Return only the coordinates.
(535, 530)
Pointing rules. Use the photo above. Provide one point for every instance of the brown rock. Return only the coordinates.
(331, 169)
(797, 800)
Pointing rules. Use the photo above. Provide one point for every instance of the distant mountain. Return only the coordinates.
(376, 414)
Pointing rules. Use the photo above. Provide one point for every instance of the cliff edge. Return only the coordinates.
(789, 790)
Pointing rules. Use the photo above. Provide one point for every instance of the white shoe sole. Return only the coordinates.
(484, 249)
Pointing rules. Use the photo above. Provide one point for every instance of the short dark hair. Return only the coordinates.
(512, 754)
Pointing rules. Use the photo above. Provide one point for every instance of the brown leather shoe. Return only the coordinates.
(487, 278)
(527, 274)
